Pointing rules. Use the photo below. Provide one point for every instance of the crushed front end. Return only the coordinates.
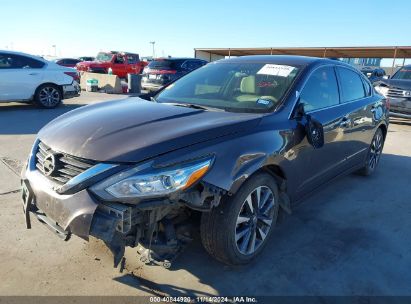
(121, 204)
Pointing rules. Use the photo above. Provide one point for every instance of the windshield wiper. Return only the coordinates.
(196, 106)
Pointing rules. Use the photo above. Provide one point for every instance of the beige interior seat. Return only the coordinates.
(248, 90)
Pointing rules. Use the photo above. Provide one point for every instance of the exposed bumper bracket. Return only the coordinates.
(60, 232)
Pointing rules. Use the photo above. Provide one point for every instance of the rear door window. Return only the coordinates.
(352, 87)
(11, 61)
(320, 90)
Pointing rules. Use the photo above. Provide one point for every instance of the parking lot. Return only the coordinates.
(352, 238)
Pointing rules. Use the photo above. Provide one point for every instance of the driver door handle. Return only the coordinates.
(33, 74)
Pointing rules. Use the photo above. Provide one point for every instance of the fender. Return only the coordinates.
(254, 151)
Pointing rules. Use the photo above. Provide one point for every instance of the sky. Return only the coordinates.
(85, 27)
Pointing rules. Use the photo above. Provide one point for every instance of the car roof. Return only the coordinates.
(283, 59)
(22, 54)
(116, 53)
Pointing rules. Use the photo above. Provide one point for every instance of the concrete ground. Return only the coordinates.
(351, 238)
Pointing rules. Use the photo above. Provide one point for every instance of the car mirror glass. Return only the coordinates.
(314, 131)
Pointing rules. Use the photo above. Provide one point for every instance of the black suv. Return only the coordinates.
(162, 71)
(398, 90)
(233, 143)
(373, 74)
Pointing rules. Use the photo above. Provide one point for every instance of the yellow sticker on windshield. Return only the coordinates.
(276, 70)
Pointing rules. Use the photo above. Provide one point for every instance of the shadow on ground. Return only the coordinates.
(351, 238)
(28, 119)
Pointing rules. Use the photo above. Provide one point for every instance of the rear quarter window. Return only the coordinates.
(367, 86)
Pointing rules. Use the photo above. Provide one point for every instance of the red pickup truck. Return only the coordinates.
(120, 63)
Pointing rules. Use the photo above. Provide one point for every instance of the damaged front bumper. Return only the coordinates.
(157, 226)
(70, 213)
(81, 214)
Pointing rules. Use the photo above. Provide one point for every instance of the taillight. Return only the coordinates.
(74, 75)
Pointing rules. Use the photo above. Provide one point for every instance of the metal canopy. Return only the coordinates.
(337, 52)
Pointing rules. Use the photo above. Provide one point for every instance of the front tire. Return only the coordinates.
(374, 154)
(237, 230)
(48, 96)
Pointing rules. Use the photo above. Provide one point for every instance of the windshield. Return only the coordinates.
(237, 87)
(403, 73)
(104, 57)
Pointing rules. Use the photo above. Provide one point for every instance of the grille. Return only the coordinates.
(395, 93)
(66, 166)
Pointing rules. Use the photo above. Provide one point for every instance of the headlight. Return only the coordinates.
(159, 182)
(382, 90)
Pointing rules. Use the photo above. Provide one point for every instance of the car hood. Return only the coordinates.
(397, 83)
(133, 129)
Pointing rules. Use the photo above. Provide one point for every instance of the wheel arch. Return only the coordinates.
(278, 174)
(384, 130)
(60, 87)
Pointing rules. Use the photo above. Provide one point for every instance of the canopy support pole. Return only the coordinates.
(393, 62)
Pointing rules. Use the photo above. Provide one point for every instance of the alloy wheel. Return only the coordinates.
(375, 150)
(49, 96)
(255, 219)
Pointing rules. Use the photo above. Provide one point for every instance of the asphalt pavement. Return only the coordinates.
(351, 238)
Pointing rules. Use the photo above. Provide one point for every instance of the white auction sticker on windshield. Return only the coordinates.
(276, 70)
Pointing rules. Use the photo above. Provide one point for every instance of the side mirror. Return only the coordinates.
(386, 76)
(315, 132)
(313, 128)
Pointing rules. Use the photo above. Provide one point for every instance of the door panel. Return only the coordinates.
(356, 98)
(319, 165)
(119, 66)
(19, 84)
(320, 97)
(19, 76)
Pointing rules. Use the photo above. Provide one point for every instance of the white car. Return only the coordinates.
(29, 78)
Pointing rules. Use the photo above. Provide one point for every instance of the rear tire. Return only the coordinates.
(374, 154)
(48, 96)
(237, 230)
